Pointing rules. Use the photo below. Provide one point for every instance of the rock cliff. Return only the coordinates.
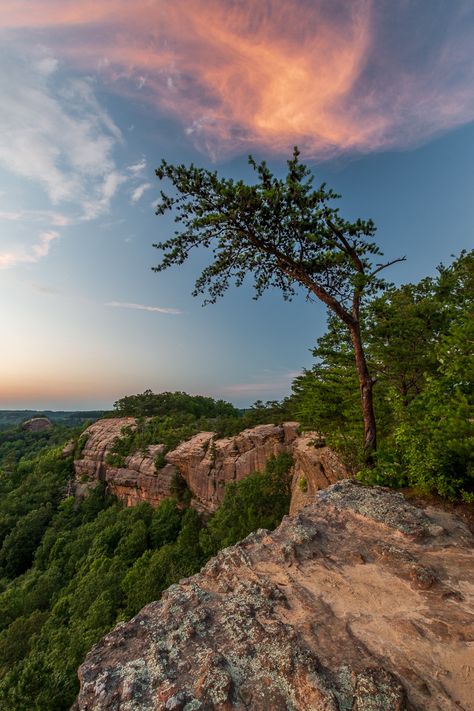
(360, 601)
(206, 463)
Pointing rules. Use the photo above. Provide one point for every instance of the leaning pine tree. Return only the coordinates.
(285, 233)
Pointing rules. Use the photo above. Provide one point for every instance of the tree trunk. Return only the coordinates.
(366, 385)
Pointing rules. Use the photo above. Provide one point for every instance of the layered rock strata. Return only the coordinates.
(360, 601)
(206, 463)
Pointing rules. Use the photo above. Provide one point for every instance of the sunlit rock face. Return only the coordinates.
(206, 463)
(315, 467)
(100, 438)
(359, 601)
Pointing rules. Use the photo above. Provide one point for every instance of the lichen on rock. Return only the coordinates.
(323, 614)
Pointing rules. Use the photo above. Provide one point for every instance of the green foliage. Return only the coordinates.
(168, 430)
(262, 413)
(16, 554)
(258, 501)
(284, 231)
(80, 444)
(115, 460)
(175, 427)
(12, 418)
(84, 566)
(179, 488)
(149, 404)
(165, 523)
(303, 485)
(420, 346)
(160, 460)
(431, 447)
(30, 489)
(287, 235)
(17, 444)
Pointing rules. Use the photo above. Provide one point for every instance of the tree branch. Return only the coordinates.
(384, 266)
(348, 248)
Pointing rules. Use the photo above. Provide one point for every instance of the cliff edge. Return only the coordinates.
(360, 601)
(206, 463)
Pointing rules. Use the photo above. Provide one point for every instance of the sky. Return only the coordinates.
(378, 95)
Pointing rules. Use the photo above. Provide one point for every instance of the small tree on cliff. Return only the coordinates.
(288, 235)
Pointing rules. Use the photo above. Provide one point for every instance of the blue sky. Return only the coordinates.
(380, 96)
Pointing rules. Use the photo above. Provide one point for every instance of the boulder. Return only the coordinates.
(100, 438)
(208, 464)
(37, 424)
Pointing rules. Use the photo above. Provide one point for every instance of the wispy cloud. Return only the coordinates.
(55, 134)
(45, 289)
(22, 255)
(331, 76)
(144, 307)
(139, 191)
(138, 168)
(58, 219)
(10, 216)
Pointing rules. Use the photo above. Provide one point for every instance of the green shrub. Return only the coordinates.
(180, 489)
(303, 485)
(258, 501)
(115, 460)
(80, 444)
(160, 460)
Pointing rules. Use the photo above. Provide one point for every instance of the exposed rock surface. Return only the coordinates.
(209, 464)
(140, 480)
(100, 438)
(206, 463)
(315, 467)
(37, 424)
(361, 601)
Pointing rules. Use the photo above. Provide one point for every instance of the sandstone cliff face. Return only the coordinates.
(207, 464)
(315, 468)
(361, 601)
(100, 438)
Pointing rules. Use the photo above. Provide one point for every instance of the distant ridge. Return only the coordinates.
(10, 418)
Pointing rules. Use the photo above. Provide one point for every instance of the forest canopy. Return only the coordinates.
(70, 570)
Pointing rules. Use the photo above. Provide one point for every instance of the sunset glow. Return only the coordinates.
(377, 94)
(239, 75)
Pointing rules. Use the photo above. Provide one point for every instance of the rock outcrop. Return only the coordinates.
(360, 601)
(99, 439)
(206, 463)
(315, 467)
(37, 424)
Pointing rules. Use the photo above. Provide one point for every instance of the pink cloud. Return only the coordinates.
(35, 252)
(333, 76)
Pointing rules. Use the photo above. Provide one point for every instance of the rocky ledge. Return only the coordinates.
(206, 463)
(361, 601)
